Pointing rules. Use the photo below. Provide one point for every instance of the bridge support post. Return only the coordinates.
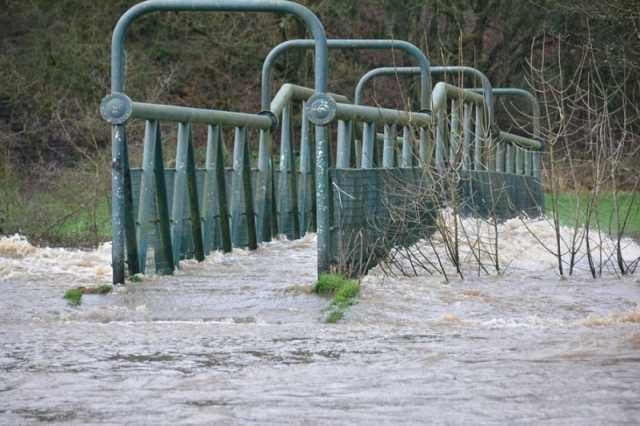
(323, 194)
(117, 204)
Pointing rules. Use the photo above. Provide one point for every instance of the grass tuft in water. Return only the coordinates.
(344, 292)
(74, 296)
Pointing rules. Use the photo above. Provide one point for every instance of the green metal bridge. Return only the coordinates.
(342, 190)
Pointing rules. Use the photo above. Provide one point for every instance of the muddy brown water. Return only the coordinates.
(238, 339)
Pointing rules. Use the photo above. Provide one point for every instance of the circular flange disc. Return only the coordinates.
(116, 108)
(321, 109)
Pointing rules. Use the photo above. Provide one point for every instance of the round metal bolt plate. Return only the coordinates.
(116, 108)
(321, 109)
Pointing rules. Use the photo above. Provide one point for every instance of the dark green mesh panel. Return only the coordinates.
(375, 210)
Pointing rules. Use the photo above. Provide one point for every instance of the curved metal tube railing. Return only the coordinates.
(517, 165)
(194, 217)
(535, 116)
(435, 70)
(410, 49)
(117, 110)
(441, 93)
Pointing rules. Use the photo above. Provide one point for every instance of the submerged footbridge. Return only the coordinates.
(341, 190)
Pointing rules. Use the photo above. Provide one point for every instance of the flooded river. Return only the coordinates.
(238, 339)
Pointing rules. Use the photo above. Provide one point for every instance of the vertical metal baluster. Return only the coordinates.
(264, 195)
(510, 166)
(357, 147)
(242, 211)
(162, 204)
(305, 170)
(519, 161)
(368, 144)
(454, 140)
(312, 182)
(147, 194)
(223, 199)
(249, 210)
(274, 201)
(425, 147)
(209, 198)
(293, 195)
(477, 152)
(194, 199)
(536, 164)
(468, 135)
(129, 220)
(441, 135)
(388, 150)
(286, 185)
(345, 130)
(237, 187)
(527, 163)
(407, 147)
(500, 156)
(179, 193)
(217, 233)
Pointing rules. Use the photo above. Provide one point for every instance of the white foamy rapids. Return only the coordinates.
(523, 244)
(19, 259)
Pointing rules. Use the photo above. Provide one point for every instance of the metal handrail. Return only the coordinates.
(441, 93)
(410, 49)
(309, 18)
(533, 101)
(381, 115)
(114, 109)
(292, 92)
(197, 115)
(436, 70)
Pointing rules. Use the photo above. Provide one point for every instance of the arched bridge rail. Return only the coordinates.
(340, 191)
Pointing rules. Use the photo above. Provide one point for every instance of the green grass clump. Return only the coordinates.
(570, 202)
(344, 292)
(329, 284)
(74, 296)
(349, 291)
